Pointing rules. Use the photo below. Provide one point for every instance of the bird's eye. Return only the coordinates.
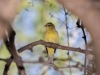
(48, 25)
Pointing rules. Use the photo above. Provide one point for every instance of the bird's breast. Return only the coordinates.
(51, 36)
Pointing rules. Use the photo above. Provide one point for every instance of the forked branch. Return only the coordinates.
(52, 45)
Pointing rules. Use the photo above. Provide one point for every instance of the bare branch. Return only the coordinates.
(84, 37)
(9, 42)
(52, 45)
(7, 66)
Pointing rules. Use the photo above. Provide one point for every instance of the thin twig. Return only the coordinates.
(85, 62)
(84, 37)
(67, 38)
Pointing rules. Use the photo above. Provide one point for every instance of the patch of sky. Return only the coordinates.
(28, 21)
(33, 69)
(52, 71)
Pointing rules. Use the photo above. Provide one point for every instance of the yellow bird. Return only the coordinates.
(51, 35)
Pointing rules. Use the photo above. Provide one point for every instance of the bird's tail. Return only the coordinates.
(50, 55)
(50, 59)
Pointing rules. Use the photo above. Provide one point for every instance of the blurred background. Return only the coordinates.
(29, 24)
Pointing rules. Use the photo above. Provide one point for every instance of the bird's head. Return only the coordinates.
(49, 26)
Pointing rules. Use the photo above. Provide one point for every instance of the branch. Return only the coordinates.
(52, 45)
(66, 13)
(9, 42)
(84, 37)
(77, 65)
(7, 66)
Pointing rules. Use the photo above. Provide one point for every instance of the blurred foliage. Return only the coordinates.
(29, 27)
(4, 53)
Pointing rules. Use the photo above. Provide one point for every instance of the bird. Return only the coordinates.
(51, 35)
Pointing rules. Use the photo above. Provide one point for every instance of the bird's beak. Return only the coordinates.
(45, 25)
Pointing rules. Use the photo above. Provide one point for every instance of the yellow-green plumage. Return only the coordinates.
(51, 35)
